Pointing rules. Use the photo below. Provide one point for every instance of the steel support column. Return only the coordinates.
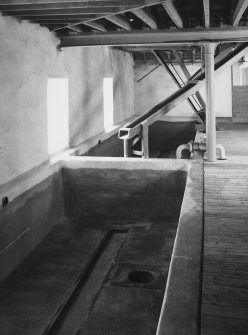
(210, 111)
(126, 148)
(145, 140)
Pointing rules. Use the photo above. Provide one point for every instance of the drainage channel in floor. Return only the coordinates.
(134, 290)
(76, 311)
(122, 288)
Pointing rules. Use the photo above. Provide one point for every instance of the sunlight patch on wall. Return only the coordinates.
(108, 102)
(57, 114)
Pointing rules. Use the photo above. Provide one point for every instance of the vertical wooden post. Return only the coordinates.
(145, 143)
(210, 111)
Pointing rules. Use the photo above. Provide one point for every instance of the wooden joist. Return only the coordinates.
(173, 13)
(68, 11)
(145, 17)
(239, 11)
(206, 13)
(100, 3)
(48, 5)
(95, 25)
(119, 21)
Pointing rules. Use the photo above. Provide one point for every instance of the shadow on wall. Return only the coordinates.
(88, 111)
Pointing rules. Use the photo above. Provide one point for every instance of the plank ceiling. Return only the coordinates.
(85, 17)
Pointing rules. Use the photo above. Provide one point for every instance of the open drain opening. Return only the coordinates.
(141, 277)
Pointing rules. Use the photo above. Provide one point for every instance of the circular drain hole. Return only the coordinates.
(140, 277)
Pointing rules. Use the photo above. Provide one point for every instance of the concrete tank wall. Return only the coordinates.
(119, 195)
(22, 226)
(28, 57)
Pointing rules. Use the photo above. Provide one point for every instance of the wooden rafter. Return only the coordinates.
(239, 11)
(95, 25)
(68, 11)
(173, 13)
(46, 5)
(65, 18)
(146, 3)
(145, 17)
(76, 29)
(119, 21)
(206, 13)
(125, 3)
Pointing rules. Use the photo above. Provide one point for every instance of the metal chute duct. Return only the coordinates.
(169, 103)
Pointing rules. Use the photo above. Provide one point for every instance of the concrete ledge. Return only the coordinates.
(125, 163)
(181, 306)
(28, 180)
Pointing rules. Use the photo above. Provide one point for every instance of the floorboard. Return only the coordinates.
(225, 265)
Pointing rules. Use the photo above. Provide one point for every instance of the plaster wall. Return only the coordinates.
(28, 57)
(159, 85)
(240, 73)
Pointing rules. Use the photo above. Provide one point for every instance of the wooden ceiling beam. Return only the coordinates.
(145, 17)
(76, 29)
(173, 13)
(65, 18)
(70, 23)
(147, 48)
(69, 11)
(162, 36)
(239, 11)
(128, 9)
(119, 21)
(43, 5)
(95, 25)
(97, 3)
(206, 9)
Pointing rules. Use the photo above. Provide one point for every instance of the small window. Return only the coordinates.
(57, 114)
(108, 102)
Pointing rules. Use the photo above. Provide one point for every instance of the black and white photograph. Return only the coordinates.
(123, 167)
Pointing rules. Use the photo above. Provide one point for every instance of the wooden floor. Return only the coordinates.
(225, 265)
(234, 140)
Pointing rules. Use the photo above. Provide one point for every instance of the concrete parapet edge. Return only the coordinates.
(180, 312)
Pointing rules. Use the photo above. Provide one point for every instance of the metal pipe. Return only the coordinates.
(209, 49)
(222, 152)
(181, 148)
(200, 146)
